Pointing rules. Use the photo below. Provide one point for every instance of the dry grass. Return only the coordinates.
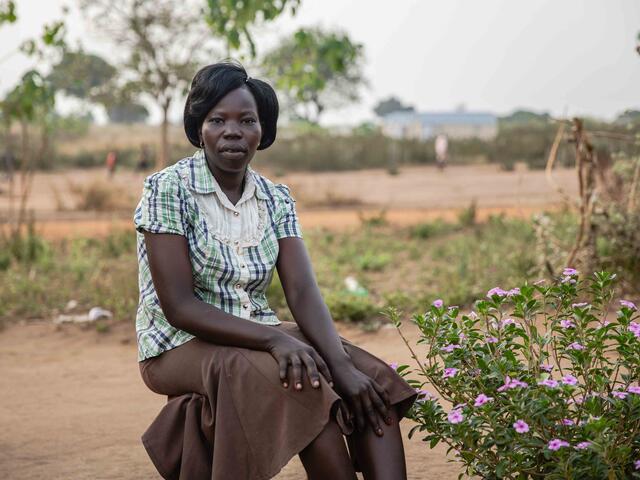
(100, 196)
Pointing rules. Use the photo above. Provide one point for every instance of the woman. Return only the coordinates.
(246, 391)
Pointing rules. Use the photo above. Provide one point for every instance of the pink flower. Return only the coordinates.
(549, 382)
(620, 395)
(557, 444)
(576, 346)
(634, 327)
(569, 380)
(482, 399)
(636, 465)
(521, 426)
(604, 324)
(459, 406)
(634, 389)
(583, 445)
(424, 394)
(491, 340)
(570, 272)
(455, 416)
(579, 400)
(450, 372)
(496, 291)
(511, 384)
(579, 305)
(438, 303)
(567, 422)
(394, 365)
(546, 367)
(450, 348)
(507, 321)
(628, 304)
(568, 279)
(567, 323)
(473, 315)
(513, 291)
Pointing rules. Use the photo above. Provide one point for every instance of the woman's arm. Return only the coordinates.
(312, 316)
(173, 281)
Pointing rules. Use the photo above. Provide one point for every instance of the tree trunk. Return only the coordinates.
(163, 159)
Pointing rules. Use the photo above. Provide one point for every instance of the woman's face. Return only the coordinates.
(231, 131)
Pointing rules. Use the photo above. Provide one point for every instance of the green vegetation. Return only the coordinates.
(396, 266)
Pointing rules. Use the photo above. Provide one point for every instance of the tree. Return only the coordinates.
(231, 20)
(92, 79)
(390, 105)
(81, 75)
(163, 45)
(125, 112)
(525, 117)
(7, 12)
(316, 70)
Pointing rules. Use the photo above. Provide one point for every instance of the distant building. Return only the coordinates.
(422, 126)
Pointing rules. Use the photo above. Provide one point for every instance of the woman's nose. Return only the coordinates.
(232, 129)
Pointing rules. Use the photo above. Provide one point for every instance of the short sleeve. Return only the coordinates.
(161, 207)
(287, 224)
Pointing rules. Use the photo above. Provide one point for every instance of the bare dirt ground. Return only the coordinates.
(330, 199)
(74, 406)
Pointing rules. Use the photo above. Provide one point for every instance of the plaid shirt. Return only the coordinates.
(229, 274)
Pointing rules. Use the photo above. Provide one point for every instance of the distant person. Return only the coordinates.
(442, 150)
(145, 158)
(247, 391)
(8, 164)
(111, 161)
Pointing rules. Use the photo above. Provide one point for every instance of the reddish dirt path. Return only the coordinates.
(328, 199)
(74, 405)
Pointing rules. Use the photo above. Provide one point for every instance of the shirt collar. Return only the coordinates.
(201, 179)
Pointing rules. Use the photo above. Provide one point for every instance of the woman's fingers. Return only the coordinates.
(356, 402)
(324, 369)
(384, 395)
(296, 370)
(312, 370)
(379, 405)
(370, 411)
(282, 365)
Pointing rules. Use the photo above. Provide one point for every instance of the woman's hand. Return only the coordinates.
(289, 351)
(367, 400)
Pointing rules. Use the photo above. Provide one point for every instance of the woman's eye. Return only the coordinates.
(216, 120)
(250, 121)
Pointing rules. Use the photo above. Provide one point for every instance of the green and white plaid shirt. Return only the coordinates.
(229, 273)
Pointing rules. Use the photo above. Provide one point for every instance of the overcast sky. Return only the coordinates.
(576, 56)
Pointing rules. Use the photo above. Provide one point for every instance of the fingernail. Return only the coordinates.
(331, 384)
(388, 420)
(379, 432)
(316, 384)
(298, 386)
(285, 384)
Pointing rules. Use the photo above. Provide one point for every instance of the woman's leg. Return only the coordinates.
(327, 456)
(381, 458)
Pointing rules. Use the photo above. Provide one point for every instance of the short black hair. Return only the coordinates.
(212, 83)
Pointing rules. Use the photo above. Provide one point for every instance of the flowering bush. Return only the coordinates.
(538, 381)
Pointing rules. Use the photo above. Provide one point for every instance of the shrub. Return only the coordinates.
(542, 380)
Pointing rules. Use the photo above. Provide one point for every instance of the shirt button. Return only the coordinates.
(237, 242)
(236, 213)
(243, 266)
(245, 306)
(238, 286)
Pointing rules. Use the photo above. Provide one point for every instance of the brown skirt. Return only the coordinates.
(228, 415)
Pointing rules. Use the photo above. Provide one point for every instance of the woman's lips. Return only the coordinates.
(232, 154)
